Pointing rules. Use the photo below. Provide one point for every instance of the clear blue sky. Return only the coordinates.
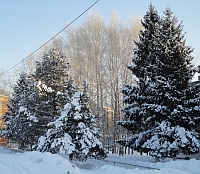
(26, 24)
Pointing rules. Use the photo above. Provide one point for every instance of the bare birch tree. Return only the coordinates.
(5, 83)
(86, 47)
(100, 52)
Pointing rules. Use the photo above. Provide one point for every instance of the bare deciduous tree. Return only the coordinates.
(100, 52)
(6, 83)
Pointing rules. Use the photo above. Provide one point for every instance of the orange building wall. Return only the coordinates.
(3, 110)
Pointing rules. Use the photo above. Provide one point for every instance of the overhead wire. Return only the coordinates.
(50, 38)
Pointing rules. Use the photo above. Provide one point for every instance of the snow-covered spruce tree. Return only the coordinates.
(172, 111)
(136, 95)
(74, 132)
(83, 130)
(51, 87)
(57, 139)
(20, 116)
(180, 100)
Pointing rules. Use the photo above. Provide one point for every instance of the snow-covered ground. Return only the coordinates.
(12, 162)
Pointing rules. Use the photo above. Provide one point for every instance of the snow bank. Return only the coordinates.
(192, 165)
(12, 162)
(34, 163)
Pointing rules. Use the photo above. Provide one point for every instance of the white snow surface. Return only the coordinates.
(12, 162)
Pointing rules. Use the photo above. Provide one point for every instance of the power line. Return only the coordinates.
(50, 38)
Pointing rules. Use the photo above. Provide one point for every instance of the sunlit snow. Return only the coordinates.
(12, 162)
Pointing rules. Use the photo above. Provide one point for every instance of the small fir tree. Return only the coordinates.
(84, 131)
(78, 125)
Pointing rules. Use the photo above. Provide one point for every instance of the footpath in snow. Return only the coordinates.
(132, 164)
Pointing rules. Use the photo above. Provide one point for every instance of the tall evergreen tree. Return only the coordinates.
(20, 117)
(170, 107)
(52, 87)
(143, 67)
